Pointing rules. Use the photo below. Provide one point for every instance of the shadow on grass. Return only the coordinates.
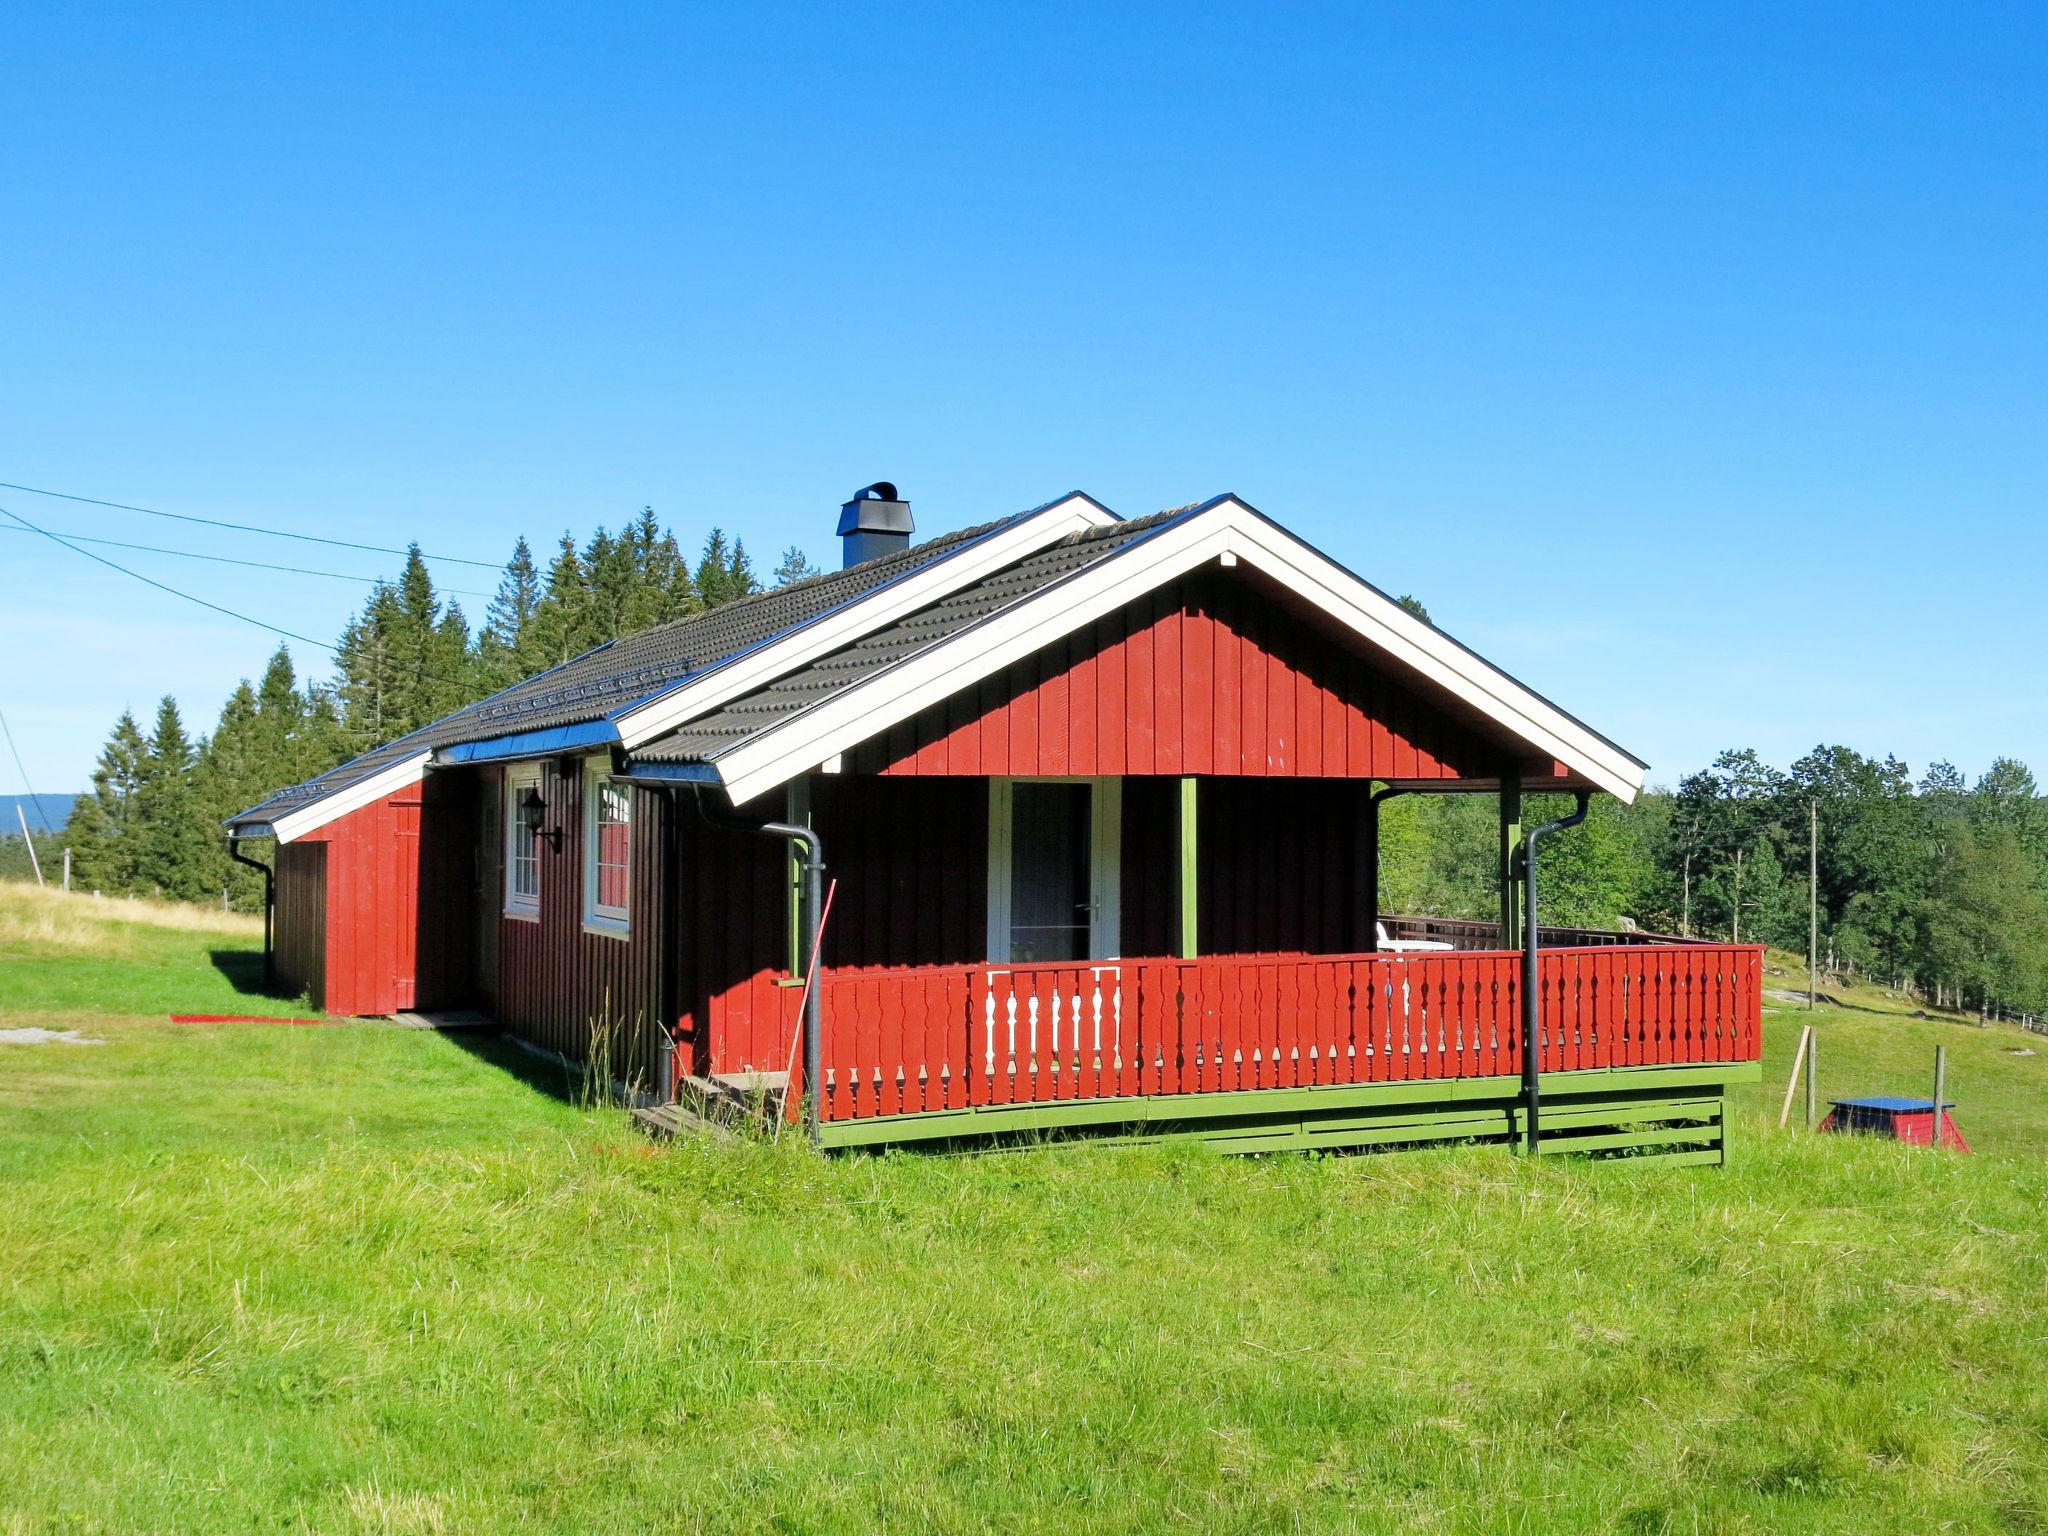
(243, 970)
(550, 1079)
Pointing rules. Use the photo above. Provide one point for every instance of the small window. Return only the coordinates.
(607, 850)
(522, 846)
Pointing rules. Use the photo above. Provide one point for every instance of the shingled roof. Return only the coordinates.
(805, 670)
(616, 677)
(704, 740)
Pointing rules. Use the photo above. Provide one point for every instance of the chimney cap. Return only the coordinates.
(876, 509)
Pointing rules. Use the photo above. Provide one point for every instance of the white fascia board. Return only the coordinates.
(804, 740)
(1227, 528)
(862, 616)
(386, 781)
(1433, 654)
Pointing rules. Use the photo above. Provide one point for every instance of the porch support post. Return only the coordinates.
(1369, 866)
(1367, 921)
(1189, 895)
(1510, 841)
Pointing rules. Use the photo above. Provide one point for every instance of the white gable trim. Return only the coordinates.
(862, 616)
(386, 781)
(1226, 527)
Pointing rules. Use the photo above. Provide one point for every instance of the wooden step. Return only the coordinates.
(734, 1098)
(663, 1121)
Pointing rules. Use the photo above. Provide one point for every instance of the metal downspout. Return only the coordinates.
(1531, 1011)
(269, 906)
(814, 908)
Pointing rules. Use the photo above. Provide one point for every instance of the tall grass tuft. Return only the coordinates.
(592, 1086)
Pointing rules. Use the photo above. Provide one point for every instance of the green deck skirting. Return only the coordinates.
(1616, 1110)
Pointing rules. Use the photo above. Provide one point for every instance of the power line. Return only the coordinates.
(214, 522)
(256, 565)
(149, 581)
(33, 798)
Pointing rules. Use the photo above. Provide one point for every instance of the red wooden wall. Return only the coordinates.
(547, 979)
(373, 907)
(1278, 866)
(1213, 674)
(301, 920)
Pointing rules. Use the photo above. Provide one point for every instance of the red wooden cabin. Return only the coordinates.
(1098, 800)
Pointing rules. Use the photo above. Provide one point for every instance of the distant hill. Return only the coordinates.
(55, 812)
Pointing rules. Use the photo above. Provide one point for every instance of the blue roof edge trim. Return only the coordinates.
(557, 738)
(673, 773)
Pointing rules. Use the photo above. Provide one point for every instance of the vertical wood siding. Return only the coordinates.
(301, 920)
(731, 946)
(445, 968)
(550, 980)
(1278, 866)
(400, 888)
(911, 858)
(1213, 674)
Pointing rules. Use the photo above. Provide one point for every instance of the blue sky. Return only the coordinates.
(1693, 366)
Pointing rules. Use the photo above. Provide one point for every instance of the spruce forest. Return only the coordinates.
(1931, 882)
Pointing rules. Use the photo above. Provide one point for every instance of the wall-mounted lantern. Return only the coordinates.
(533, 811)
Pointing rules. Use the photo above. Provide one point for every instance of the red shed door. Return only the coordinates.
(401, 907)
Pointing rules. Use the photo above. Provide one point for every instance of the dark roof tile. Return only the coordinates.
(618, 675)
(705, 739)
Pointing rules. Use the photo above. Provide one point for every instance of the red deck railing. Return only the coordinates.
(951, 1037)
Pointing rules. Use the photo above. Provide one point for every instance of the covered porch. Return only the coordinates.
(1196, 956)
(1107, 854)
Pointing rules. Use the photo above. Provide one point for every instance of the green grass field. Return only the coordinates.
(366, 1279)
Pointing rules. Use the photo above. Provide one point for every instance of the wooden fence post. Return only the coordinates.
(1812, 1080)
(1792, 1082)
(1940, 1082)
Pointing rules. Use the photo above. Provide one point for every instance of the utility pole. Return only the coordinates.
(1812, 902)
(33, 862)
(1735, 906)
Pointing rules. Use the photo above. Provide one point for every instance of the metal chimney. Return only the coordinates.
(874, 523)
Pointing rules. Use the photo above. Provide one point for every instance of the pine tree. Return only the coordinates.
(231, 775)
(796, 565)
(323, 740)
(449, 679)
(712, 571)
(403, 662)
(506, 620)
(723, 571)
(174, 833)
(281, 724)
(740, 580)
(612, 575)
(665, 591)
(105, 830)
(367, 685)
(561, 618)
(430, 651)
